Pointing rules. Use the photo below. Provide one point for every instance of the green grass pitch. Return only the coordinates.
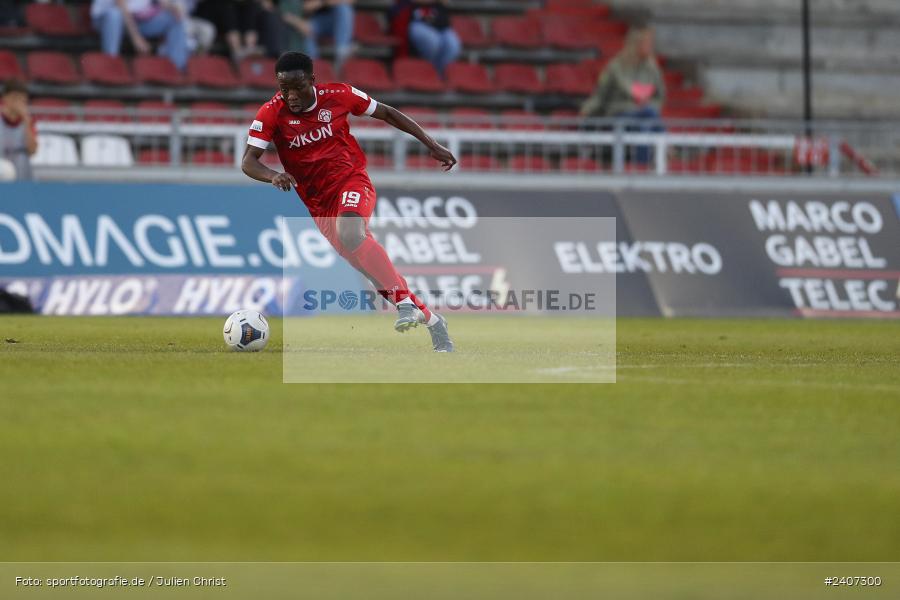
(144, 439)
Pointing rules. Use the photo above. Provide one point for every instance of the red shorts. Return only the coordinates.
(356, 194)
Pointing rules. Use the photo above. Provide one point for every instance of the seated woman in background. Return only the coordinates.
(631, 87)
(429, 31)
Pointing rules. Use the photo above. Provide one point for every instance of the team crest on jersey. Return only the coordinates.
(325, 115)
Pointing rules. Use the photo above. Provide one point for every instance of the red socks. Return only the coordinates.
(371, 259)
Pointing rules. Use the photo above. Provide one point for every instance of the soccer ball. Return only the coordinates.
(246, 331)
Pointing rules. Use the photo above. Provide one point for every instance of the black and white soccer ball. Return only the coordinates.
(246, 331)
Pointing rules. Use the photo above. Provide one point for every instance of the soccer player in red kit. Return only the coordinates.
(308, 123)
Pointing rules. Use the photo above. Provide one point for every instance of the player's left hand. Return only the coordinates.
(443, 156)
(284, 182)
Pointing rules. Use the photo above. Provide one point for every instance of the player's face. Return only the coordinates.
(297, 90)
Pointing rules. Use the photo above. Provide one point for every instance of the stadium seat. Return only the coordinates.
(517, 32)
(368, 75)
(423, 115)
(568, 79)
(579, 165)
(369, 30)
(422, 162)
(154, 111)
(569, 34)
(378, 160)
(211, 71)
(471, 118)
(564, 119)
(104, 69)
(107, 111)
(528, 163)
(593, 67)
(673, 79)
(212, 113)
(9, 66)
(705, 111)
(52, 20)
(684, 96)
(53, 109)
(323, 70)
(570, 6)
(470, 32)
(55, 151)
(154, 156)
(469, 78)
(417, 75)
(479, 162)
(106, 151)
(214, 158)
(157, 70)
(517, 78)
(52, 67)
(522, 119)
(258, 72)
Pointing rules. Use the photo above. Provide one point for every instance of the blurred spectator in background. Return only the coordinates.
(631, 87)
(201, 32)
(9, 14)
(429, 32)
(297, 28)
(251, 27)
(329, 18)
(18, 139)
(142, 19)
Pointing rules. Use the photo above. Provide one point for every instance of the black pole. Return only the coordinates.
(807, 77)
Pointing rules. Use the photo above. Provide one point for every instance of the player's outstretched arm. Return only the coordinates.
(397, 119)
(253, 168)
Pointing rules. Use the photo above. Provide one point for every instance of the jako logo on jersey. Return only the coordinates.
(312, 136)
(325, 115)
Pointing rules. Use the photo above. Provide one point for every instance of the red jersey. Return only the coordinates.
(316, 146)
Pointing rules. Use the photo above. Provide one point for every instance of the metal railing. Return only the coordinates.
(721, 147)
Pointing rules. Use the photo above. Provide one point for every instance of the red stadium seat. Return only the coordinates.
(528, 163)
(422, 162)
(154, 156)
(568, 79)
(424, 115)
(213, 158)
(576, 7)
(212, 113)
(522, 119)
(9, 66)
(159, 112)
(705, 111)
(579, 165)
(107, 111)
(104, 69)
(377, 160)
(470, 32)
(52, 67)
(593, 67)
(59, 109)
(469, 78)
(369, 30)
(471, 118)
(564, 118)
(517, 32)
(157, 70)
(673, 78)
(569, 34)
(684, 96)
(211, 71)
(479, 162)
(518, 78)
(417, 75)
(368, 75)
(53, 20)
(258, 73)
(323, 71)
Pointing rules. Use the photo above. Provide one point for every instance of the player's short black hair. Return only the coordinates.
(294, 61)
(13, 85)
